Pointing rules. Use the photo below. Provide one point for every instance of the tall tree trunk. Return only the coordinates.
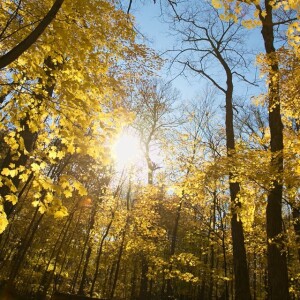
(88, 252)
(76, 275)
(254, 276)
(222, 227)
(173, 247)
(212, 250)
(277, 263)
(144, 280)
(69, 243)
(133, 282)
(118, 263)
(143, 295)
(29, 139)
(61, 241)
(99, 255)
(24, 247)
(242, 286)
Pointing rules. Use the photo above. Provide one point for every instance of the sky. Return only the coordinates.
(149, 21)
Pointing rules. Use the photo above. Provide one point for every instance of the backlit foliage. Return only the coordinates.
(71, 221)
(63, 94)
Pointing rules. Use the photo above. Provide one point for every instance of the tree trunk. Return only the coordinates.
(29, 139)
(24, 247)
(277, 264)
(242, 286)
(75, 277)
(144, 280)
(133, 282)
(61, 241)
(118, 264)
(99, 255)
(173, 247)
(222, 227)
(88, 252)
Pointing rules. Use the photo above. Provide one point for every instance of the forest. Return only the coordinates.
(114, 185)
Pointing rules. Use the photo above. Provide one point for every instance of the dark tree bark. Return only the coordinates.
(28, 238)
(29, 139)
(60, 243)
(118, 263)
(242, 286)
(88, 252)
(26, 243)
(277, 263)
(99, 255)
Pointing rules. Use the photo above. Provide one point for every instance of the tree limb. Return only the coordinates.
(24, 45)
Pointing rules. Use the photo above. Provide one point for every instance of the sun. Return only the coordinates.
(127, 151)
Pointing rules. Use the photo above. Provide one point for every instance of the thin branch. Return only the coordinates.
(11, 18)
(244, 78)
(206, 76)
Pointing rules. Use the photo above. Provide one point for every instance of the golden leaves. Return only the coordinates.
(216, 4)
(66, 96)
(3, 219)
(62, 212)
(250, 24)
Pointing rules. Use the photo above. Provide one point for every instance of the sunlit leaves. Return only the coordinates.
(63, 99)
(3, 219)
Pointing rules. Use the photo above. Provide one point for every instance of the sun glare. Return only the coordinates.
(127, 151)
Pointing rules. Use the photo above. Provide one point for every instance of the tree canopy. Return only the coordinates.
(208, 204)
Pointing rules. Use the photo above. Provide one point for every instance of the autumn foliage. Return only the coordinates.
(210, 211)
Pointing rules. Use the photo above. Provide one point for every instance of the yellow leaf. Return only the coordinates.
(35, 203)
(80, 188)
(52, 154)
(60, 154)
(35, 167)
(23, 177)
(63, 212)
(68, 193)
(8, 172)
(216, 4)
(12, 198)
(71, 148)
(42, 209)
(3, 219)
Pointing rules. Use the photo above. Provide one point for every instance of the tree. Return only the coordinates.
(53, 90)
(268, 16)
(71, 223)
(268, 19)
(205, 42)
(154, 104)
(22, 46)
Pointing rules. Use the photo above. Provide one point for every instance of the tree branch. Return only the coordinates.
(24, 45)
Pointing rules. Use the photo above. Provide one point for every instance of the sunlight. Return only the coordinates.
(127, 151)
